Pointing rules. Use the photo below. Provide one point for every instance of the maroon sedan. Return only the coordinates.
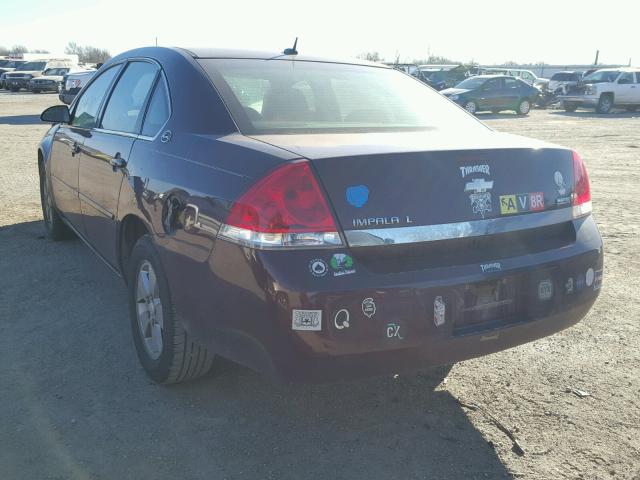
(314, 219)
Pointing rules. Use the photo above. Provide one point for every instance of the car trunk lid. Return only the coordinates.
(383, 181)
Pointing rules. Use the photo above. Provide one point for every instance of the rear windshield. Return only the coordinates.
(564, 77)
(284, 96)
(32, 66)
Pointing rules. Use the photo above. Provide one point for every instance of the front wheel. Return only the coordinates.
(15, 89)
(164, 348)
(471, 107)
(605, 104)
(524, 107)
(570, 106)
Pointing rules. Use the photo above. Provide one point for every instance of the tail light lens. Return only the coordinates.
(581, 198)
(285, 209)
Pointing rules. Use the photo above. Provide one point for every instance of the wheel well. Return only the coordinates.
(607, 94)
(40, 159)
(131, 229)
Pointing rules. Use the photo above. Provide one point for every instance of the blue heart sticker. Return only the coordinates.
(357, 195)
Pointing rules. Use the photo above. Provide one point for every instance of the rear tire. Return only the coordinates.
(165, 350)
(605, 104)
(569, 106)
(524, 107)
(35, 91)
(55, 228)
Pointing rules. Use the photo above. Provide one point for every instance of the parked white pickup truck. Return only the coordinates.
(605, 89)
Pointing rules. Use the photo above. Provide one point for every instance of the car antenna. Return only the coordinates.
(291, 51)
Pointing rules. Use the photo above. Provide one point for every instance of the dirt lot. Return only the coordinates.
(76, 405)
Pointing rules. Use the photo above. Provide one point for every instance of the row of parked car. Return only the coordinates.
(45, 73)
(497, 89)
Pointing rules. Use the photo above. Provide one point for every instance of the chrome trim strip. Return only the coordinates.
(115, 132)
(448, 231)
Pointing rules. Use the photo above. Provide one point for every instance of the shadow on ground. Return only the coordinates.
(80, 406)
(592, 114)
(20, 120)
(499, 115)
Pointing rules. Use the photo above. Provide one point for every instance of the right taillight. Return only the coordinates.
(581, 198)
(285, 209)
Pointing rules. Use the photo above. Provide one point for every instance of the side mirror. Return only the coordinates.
(56, 114)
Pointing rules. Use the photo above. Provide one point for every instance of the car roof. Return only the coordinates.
(620, 69)
(494, 76)
(267, 55)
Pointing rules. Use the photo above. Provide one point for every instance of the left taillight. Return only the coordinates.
(284, 209)
(581, 198)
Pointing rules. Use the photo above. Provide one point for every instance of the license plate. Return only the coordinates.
(486, 303)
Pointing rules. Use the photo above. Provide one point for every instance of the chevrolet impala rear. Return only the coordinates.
(315, 219)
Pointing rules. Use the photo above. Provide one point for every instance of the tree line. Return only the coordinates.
(86, 53)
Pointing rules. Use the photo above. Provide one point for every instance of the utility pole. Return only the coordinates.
(597, 55)
(156, 41)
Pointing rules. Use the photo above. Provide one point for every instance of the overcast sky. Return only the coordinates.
(486, 31)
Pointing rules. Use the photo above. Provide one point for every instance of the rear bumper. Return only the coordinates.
(66, 98)
(580, 100)
(243, 303)
(17, 82)
(43, 87)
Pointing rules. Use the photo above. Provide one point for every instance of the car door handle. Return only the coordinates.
(75, 149)
(117, 162)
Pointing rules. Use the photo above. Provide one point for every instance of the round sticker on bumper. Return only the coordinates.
(318, 267)
(369, 307)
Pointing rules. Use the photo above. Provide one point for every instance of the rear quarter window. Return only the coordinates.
(158, 111)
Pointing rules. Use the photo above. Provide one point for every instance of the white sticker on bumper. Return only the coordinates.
(307, 320)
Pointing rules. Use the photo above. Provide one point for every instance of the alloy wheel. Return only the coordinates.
(470, 107)
(47, 203)
(149, 310)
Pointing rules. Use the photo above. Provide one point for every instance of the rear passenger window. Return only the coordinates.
(511, 83)
(86, 111)
(637, 77)
(493, 84)
(158, 111)
(124, 110)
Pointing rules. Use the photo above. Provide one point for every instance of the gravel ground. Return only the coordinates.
(76, 405)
